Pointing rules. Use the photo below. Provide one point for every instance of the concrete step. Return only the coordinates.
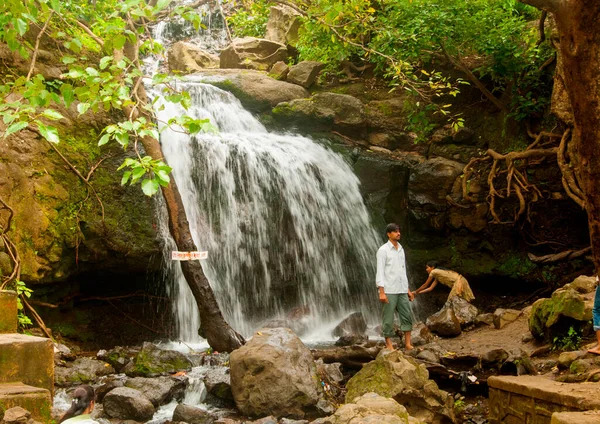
(34, 399)
(587, 417)
(533, 399)
(27, 359)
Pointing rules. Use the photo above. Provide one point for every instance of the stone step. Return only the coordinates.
(533, 399)
(27, 359)
(34, 399)
(587, 417)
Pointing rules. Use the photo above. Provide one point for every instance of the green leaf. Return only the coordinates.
(163, 176)
(52, 114)
(17, 126)
(161, 4)
(83, 108)
(49, 133)
(149, 187)
(104, 139)
(125, 178)
(104, 62)
(119, 41)
(21, 26)
(137, 174)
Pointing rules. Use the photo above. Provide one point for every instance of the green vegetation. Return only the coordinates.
(408, 41)
(568, 342)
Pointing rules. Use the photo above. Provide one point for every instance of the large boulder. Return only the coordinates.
(354, 323)
(304, 73)
(152, 361)
(256, 90)
(444, 323)
(80, 371)
(159, 390)
(325, 111)
(274, 374)
(192, 415)
(369, 408)
(393, 375)
(127, 404)
(567, 307)
(464, 311)
(283, 25)
(187, 58)
(252, 53)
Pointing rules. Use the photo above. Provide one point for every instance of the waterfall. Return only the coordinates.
(281, 217)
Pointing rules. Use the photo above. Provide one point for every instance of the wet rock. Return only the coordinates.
(63, 353)
(420, 335)
(444, 323)
(159, 390)
(324, 111)
(266, 420)
(484, 319)
(502, 317)
(80, 371)
(354, 323)
(220, 359)
(351, 339)
(274, 373)
(192, 415)
(429, 356)
(188, 58)
(218, 383)
(288, 421)
(464, 311)
(128, 404)
(283, 25)
(118, 357)
(464, 136)
(152, 361)
(109, 385)
(332, 372)
(279, 71)
(304, 73)
(257, 91)
(252, 53)
(393, 375)
(518, 363)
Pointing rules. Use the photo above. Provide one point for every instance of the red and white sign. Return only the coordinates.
(188, 256)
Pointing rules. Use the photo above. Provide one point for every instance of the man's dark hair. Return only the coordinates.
(391, 228)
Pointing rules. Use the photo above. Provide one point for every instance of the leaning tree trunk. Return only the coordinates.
(578, 23)
(221, 337)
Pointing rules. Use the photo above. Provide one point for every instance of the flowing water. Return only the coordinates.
(281, 217)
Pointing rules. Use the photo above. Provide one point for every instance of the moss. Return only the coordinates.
(516, 266)
(249, 102)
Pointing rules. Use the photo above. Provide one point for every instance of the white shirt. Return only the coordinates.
(391, 269)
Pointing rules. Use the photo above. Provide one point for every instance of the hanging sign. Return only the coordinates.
(188, 256)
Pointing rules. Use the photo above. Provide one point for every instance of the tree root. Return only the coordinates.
(565, 255)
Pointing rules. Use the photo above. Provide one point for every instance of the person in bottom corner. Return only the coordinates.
(596, 319)
(459, 286)
(82, 406)
(392, 284)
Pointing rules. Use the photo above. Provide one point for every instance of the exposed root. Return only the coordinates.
(565, 255)
(569, 180)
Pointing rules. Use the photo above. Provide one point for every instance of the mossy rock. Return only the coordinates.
(547, 315)
(152, 362)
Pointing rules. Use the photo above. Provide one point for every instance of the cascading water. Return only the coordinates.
(281, 217)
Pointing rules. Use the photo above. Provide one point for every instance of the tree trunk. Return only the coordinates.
(221, 337)
(578, 23)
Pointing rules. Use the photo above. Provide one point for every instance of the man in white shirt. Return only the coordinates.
(392, 284)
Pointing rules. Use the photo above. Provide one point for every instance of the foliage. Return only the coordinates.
(409, 41)
(251, 19)
(22, 290)
(99, 44)
(568, 342)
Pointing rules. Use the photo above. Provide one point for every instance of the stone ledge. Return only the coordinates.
(578, 396)
(586, 417)
(27, 359)
(35, 400)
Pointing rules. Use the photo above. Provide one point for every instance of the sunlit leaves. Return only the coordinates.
(151, 173)
(48, 132)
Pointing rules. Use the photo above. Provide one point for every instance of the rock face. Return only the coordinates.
(463, 310)
(274, 373)
(283, 25)
(45, 225)
(159, 390)
(325, 111)
(256, 90)
(353, 324)
(80, 371)
(191, 415)
(152, 362)
(187, 58)
(127, 404)
(401, 378)
(252, 53)
(553, 317)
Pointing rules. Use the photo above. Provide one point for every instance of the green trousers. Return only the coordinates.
(400, 303)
